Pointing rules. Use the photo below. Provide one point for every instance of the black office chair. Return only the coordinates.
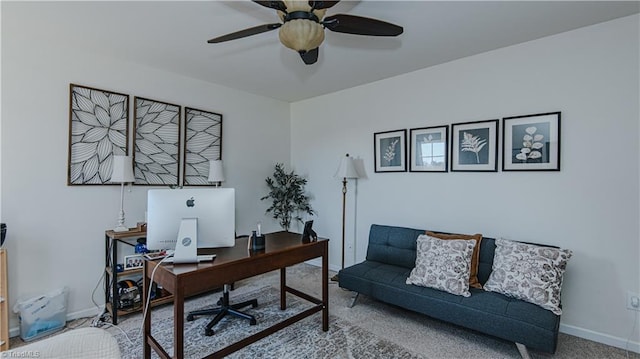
(225, 307)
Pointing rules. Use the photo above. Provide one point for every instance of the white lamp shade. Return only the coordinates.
(216, 174)
(122, 169)
(347, 168)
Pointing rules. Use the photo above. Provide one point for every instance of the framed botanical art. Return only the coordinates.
(531, 142)
(203, 142)
(156, 142)
(428, 149)
(390, 151)
(474, 146)
(98, 130)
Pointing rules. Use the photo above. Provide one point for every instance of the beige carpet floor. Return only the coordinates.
(416, 333)
(429, 337)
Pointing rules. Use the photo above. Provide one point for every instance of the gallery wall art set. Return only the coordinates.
(99, 129)
(529, 143)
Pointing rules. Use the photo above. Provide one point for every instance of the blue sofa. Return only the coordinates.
(391, 255)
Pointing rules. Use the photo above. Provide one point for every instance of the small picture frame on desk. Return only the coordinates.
(141, 226)
(133, 262)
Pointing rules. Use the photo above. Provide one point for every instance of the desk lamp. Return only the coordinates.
(347, 169)
(216, 174)
(122, 173)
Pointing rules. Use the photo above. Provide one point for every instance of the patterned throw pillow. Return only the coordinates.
(443, 264)
(475, 258)
(529, 272)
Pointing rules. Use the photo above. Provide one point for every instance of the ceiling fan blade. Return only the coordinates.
(246, 32)
(359, 25)
(278, 5)
(322, 4)
(309, 57)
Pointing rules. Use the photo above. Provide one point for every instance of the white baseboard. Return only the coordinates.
(607, 339)
(318, 263)
(91, 312)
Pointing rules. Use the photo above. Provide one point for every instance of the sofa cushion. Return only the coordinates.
(529, 272)
(393, 245)
(475, 258)
(443, 264)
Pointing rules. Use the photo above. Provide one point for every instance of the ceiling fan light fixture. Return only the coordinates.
(301, 34)
(303, 23)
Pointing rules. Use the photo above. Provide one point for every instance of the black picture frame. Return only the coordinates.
(423, 155)
(98, 130)
(156, 142)
(474, 146)
(308, 234)
(531, 142)
(390, 151)
(202, 143)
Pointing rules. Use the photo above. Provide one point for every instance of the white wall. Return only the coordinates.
(56, 232)
(591, 206)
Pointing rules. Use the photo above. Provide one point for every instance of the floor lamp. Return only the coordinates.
(122, 173)
(346, 170)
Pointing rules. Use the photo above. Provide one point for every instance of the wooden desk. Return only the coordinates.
(230, 265)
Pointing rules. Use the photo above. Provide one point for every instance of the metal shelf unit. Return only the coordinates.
(112, 241)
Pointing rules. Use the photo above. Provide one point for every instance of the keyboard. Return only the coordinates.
(157, 255)
(201, 258)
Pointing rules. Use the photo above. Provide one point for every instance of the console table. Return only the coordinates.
(232, 264)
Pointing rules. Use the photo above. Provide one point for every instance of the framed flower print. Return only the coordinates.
(531, 142)
(474, 146)
(390, 151)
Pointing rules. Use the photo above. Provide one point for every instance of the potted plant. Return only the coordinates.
(286, 191)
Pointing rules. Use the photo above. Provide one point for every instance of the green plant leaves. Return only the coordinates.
(287, 193)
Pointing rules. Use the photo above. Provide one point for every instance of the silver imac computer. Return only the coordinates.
(186, 219)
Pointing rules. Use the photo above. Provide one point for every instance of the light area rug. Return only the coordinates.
(304, 339)
(354, 332)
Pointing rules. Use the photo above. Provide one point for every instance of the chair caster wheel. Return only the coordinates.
(189, 317)
(219, 302)
(208, 332)
(254, 305)
(253, 322)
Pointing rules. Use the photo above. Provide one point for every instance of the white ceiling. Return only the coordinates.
(172, 36)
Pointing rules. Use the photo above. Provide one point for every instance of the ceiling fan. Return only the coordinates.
(303, 24)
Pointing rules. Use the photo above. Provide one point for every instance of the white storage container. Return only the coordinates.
(43, 315)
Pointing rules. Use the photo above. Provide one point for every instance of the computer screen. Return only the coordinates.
(214, 209)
